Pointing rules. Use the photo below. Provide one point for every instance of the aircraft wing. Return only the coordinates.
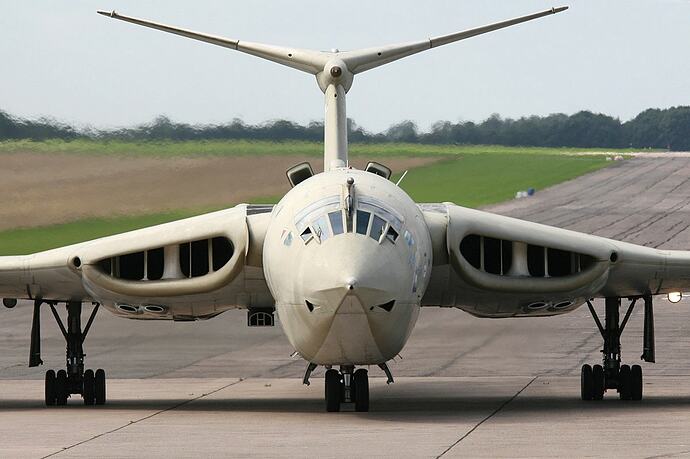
(495, 266)
(188, 269)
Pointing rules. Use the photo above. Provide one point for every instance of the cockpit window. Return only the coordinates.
(336, 219)
(326, 218)
(306, 234)
(392, 234)
(321, 228)
(306, 215)
(377, 227)
(380, 208)
(362, 221)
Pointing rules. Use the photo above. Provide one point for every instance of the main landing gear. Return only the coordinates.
(347, 386)
(627, 380)
(60, 385)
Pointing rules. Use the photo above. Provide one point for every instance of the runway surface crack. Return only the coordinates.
(131, 423)
(491, 415)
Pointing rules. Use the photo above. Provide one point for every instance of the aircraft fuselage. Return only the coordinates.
(347, 265)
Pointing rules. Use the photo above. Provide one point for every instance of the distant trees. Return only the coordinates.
(14, 128)
(653, 128)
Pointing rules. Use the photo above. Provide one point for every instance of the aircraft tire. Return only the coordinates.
(624, 381)
(599, 382)
(89, 389)
(360, 383)
(333, 390)
(586, 382)
(99, 387)
(50, 393)
(61, 388)
(636, 382)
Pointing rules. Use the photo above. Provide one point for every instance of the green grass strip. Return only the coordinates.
(258, 148)
(480, 180)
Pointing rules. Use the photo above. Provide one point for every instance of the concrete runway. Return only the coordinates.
(465, 386)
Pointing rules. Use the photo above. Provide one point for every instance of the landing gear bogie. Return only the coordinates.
(74, 380)
(626, 379)
(61, 386)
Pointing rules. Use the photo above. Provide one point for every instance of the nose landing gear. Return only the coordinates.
(346, 386)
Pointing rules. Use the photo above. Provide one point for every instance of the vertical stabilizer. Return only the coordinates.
(335, 128)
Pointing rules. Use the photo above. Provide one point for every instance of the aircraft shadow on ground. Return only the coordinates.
(399, 409)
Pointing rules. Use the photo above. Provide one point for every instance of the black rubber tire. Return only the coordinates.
(360, 385)
(333, 390)
(99, 387)
(61, 388)
(636, 382)
(586, 383)
(599, 381)
(89, 388)
(624, 382)
(50, 393)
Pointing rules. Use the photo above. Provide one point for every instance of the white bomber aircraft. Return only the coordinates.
(346, 260)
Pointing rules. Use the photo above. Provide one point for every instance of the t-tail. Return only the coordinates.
(334, 70)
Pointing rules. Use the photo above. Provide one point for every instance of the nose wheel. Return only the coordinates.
(344, 386)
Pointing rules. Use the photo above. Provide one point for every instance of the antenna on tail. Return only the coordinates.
(334, 71)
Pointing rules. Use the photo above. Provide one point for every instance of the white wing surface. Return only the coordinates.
(496, 266)
(188, 269)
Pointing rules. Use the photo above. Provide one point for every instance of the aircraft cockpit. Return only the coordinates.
(328, 218)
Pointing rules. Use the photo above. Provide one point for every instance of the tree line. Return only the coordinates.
(654, 128)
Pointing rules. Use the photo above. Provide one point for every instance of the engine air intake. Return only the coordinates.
(509, 258)
(186, 260)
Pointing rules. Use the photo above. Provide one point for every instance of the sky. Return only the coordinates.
(62, 60)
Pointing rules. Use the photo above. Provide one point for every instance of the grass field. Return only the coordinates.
(479, 180)
(254, 148)
(471, 176)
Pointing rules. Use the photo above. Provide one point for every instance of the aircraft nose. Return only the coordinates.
(359, 267)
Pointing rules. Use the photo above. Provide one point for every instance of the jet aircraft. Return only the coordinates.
(345, 260)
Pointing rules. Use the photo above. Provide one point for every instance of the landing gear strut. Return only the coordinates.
(627, 380)
(74, 379)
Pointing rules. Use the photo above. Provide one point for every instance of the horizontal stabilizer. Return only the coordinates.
(301, 59)
(313, 62)
(366, 59)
